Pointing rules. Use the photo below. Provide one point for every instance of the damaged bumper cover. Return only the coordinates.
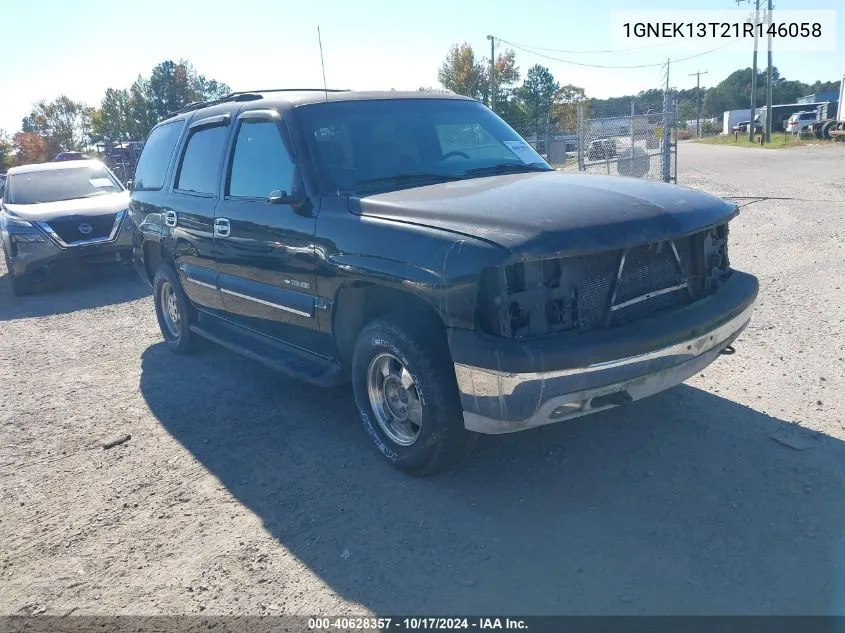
(511, 385)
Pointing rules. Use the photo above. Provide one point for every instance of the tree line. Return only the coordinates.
(540, 97)
(532, 102)
(124, 114)
(535, 101)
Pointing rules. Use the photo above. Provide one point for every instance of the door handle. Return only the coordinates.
(170, 219)
(221, 227)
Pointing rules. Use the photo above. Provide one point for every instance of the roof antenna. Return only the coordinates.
(322, 64)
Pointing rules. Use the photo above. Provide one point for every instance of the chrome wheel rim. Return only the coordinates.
(394, 399)
(170, 309)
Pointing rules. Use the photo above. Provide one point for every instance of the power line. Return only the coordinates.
(594, 51)
(574, 63)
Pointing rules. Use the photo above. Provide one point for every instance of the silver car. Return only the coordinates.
(55, 212)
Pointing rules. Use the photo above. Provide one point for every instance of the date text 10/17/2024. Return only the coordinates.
(416, 624)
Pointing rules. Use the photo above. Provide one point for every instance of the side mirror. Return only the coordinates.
(282, 197)
(129, 185)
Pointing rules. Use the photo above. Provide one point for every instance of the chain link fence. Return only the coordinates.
(636, 144)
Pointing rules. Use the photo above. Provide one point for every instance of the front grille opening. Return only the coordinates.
(73, 229)
(529, 299)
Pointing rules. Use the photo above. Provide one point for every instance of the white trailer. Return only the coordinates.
(732, 117)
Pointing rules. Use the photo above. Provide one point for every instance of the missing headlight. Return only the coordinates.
(716, 262)
(527, 299)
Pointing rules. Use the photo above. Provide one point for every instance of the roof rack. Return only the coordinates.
(289, 90)
(196, 105)
(247, 95)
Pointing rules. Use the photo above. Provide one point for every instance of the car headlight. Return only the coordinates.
(20, 230)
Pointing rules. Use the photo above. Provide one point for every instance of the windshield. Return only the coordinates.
(380, 145)
(51, 185)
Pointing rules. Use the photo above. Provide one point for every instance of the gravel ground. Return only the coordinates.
(241, 491)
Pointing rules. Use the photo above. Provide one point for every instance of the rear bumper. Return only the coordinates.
(509, 386)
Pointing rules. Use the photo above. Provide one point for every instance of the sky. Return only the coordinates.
(53, 47)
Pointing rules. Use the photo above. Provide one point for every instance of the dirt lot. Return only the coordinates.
(245, 492)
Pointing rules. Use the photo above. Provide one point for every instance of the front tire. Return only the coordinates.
(21, 285)
(407, 395)
(173, 311)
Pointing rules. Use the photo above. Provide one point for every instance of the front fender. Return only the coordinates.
(440, 267)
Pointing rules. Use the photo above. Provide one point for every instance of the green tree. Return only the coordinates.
(565, 106)
(64, 124)
(113, 120)
(506, 74)
(142, 117)
(537, 92)
(461, 73)
(7, 157)
(173, 85)
(714, 103)
(130, 114)
(686, 109)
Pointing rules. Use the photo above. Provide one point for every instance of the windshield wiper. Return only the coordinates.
(504, 168)
(404, 179)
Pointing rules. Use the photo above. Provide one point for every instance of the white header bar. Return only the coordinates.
(673, 31)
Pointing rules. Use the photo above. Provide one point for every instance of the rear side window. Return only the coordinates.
(261, 163)
(198, 172)
(152, 166)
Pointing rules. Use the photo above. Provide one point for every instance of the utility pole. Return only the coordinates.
(666, 151)
(751, 124)
(769, 116)
(698, 74)
(492, 72)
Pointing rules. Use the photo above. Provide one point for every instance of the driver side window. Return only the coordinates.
(261, 163)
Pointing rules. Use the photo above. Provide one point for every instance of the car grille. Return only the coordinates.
(68, 228)
(607, 289)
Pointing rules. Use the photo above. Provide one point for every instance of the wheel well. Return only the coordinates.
(358, 305)
(154, 254)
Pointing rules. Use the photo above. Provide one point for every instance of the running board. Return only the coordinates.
(300, 365)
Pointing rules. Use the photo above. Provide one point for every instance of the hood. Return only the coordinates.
(554, 214)
(46, 211)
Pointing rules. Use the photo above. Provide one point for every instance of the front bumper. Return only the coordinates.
(508, 386)
(34, 258)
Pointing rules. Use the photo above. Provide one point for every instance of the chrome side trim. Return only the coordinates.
(648, 295)
(475, 381)
(119, 217)
(266, 303)
(200, 283)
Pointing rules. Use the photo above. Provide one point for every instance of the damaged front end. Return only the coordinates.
(560, 338)
(603, 290)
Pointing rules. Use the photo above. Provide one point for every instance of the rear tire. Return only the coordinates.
(826, 128)
(173, 310)
(405, 388)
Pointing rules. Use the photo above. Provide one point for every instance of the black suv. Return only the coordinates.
(417, 246)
